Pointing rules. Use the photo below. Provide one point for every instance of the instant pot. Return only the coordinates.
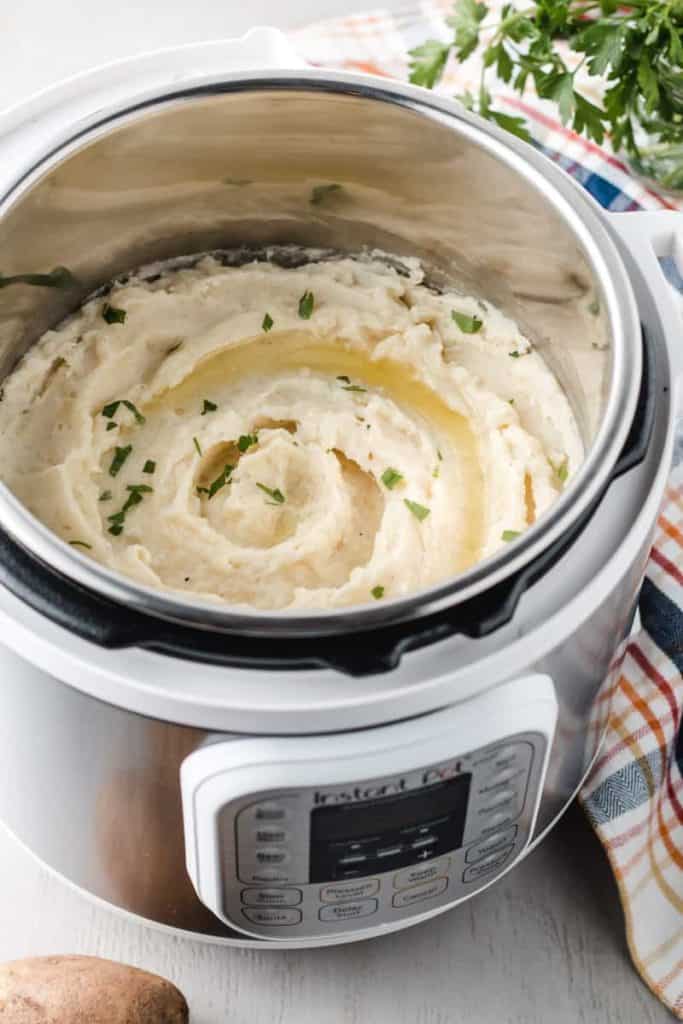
(302, 779)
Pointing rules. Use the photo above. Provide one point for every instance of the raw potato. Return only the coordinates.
(86, 990)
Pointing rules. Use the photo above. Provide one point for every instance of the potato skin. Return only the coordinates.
(86, 990)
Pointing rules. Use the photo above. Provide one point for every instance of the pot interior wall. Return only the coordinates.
(238, 168)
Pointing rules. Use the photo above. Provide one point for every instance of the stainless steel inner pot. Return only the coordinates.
(233, 164)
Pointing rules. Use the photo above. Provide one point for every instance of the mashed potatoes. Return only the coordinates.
(286, 438)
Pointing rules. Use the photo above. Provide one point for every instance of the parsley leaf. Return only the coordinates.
(221, 480)
(427, 62)
(149, 466)
(467, 324)
(635, 48)
(267, 322)
(419, 511)
(390, 477)
(377, 592)
(275, 494)
(466, 20)
(245, 441)
(105, 496)
(353, 387)
(561, 470)
(111, 409)
(112, 315)
(197, 447)
(135, 495)
(509, 535)
(208, 407)
(306, 303)
(80, 544)
(120, 456)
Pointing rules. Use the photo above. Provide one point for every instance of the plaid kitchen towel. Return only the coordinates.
(634, 797)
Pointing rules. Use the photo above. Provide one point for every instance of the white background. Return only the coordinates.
(544, 945)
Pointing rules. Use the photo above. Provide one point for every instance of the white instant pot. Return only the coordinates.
(300, 779)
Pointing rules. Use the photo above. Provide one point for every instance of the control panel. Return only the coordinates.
(359, 852)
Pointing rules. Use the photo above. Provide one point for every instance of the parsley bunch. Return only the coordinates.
(637, 49)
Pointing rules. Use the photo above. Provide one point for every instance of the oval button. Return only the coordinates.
(349, 890)
(348, 911)
(421, 873)
(269, 812)
(485, 846)
(271, 897)
(505, 796)
(418, 893)
(487, 865)
(271, 855)
(270, 834)
(271, 917)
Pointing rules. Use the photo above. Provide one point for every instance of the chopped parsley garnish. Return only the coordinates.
(306, 303)
(267, 322)
(111, 409)
(390, 477)
(111, 425)
(275, 494)
(353, 387)
(419, 511)
(321, 192)
(149, 466)
(562, 471)
(105, 496)
(514, 355)
(80, 544)
(342, 377)
(60, 277)
(208, 407)
(508, 535)
(467, 324)
(246, 441)
(120, 456)
(594, 307)
(113, 315)
(197, 447)
(117, 519)
(439, 455)
(436, 471)
(221, 480)
(377, 592)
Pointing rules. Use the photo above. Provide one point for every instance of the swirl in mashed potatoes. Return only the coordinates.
(286, 438)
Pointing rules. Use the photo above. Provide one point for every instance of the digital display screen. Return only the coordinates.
(390, 814)
(364, 837)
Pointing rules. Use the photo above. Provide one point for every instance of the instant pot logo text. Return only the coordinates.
(375, 791)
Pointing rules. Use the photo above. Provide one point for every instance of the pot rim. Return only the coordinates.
(579, 212)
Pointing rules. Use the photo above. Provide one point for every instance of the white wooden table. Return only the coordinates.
(544, 945)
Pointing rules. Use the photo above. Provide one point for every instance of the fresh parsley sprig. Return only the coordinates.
(637, 48)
